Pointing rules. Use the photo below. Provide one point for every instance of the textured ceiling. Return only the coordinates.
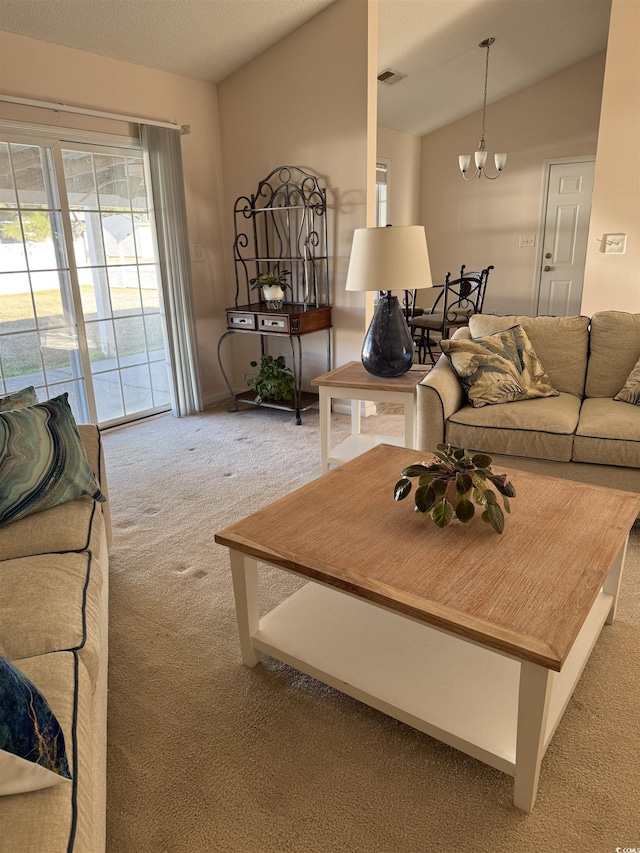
(203, 39)
(434, 42)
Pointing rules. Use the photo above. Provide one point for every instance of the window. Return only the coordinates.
(382, 192)
(79, 284)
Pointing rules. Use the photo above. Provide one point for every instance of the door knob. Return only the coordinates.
(546, 269)
(548, 255)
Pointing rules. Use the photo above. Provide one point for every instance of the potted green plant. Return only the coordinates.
(273, 283)
(274, 381)
(450, 483)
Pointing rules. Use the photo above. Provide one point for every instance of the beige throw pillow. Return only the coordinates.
(630, 393)
(499, 368)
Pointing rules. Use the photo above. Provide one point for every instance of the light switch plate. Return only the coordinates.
(197, 254)
(614, 244)
(527, 242)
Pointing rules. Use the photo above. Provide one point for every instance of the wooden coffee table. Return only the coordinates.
(474, 638)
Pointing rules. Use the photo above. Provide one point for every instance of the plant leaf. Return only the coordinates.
(465, 511)
(495, 517)
(490, 498)
(481, 460)
(464, 483)
(425, 498)
(506, 503)
(402, 489)
(502, 484)
(442, 513)
(415, 470)
(439, 486)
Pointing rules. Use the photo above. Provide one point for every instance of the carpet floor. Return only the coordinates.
(207, 755)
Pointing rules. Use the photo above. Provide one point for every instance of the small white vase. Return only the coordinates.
(274, 295)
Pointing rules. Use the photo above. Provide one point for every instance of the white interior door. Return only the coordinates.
(564, 243)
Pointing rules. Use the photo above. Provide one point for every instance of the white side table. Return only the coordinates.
(353, 382)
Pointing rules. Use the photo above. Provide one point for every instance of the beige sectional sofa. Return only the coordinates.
(53, 627)
(582, 434)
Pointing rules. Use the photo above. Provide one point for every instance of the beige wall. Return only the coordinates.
(304, 102)
(41, 71)
(478, 222)
(613, 281)
(403, 152)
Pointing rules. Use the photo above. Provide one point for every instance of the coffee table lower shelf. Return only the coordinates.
(460, 693)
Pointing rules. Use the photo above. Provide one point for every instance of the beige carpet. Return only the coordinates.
(206, 755)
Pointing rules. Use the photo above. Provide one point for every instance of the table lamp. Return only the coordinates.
(386, 259)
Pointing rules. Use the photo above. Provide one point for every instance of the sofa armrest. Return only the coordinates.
(440, 394)
(90, 436)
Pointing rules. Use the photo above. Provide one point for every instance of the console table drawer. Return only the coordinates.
(240, 320)
(273, 323)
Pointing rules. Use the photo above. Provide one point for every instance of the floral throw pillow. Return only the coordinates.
(499, 368)
(32, 748)
(19, 400)
(43, 462)
(630, 393)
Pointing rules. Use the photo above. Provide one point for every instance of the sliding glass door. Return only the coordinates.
(80, 307)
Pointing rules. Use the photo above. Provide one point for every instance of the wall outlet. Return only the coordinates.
(197, 254)
(527, 242)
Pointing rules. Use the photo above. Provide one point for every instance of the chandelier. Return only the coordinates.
(481, 154)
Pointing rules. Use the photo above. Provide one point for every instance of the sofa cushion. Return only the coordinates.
(630, 393)
(541, 429)
(43, 462)
(561, 344)
(65, 822)
(615, 348)
(19, 400)
(32, 748)
(58, 597)
(608, 433)
(73, 526)
(498, 368)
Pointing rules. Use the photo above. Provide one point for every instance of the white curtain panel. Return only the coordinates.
(164, 158)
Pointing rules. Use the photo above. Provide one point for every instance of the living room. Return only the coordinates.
(309, 100)
(224, 156)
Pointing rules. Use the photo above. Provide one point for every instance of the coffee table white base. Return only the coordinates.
(492, 706)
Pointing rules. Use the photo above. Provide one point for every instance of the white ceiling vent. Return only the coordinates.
(390, 78)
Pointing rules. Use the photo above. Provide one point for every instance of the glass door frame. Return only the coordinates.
(54, 140)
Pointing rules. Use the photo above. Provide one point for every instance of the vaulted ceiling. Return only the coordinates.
(433, 42)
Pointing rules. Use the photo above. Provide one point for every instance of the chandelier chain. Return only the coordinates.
(484, 105)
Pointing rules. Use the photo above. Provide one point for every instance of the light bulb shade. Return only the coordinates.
(387, 349)
(481, 158)
(394, 257)
(464, 160)
(500, 159)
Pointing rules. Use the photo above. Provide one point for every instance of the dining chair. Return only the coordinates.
(459, 299)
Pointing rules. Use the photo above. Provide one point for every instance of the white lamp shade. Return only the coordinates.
(391, 258)
(464, 160)
(500, 159)
(481, 158)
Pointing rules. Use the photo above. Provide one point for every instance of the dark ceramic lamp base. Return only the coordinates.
(387, 348)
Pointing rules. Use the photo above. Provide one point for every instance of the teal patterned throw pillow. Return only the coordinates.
(32, 747)
(19, 399)
(630, 393)
(42, 460)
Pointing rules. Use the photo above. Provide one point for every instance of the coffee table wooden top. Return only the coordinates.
(354, 375)
(526, 592)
